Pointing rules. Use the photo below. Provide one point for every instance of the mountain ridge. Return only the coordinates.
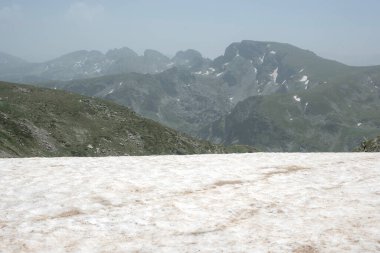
(196, 93)
(94, 63)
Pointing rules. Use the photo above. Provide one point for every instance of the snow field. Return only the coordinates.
(260, 202)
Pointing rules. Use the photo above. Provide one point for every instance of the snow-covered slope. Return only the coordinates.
(211, 203)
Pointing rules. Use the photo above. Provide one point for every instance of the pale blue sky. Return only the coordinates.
(345, 30)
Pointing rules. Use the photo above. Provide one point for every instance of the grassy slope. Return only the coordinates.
(44, 122)
(370, 145)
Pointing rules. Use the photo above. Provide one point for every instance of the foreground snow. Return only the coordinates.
(210, 203)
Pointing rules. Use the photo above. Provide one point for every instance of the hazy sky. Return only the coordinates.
(37, 30)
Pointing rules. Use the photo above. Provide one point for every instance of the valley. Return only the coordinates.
(269, 95)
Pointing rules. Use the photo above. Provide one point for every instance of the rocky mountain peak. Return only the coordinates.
(190, 58)
(154, 55)
(247, 49)
(123, 52)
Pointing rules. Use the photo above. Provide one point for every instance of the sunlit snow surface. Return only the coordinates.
(210, 203)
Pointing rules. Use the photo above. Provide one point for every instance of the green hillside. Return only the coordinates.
(44, 122)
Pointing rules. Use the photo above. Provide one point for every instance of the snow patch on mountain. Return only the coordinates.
(296, 98)
(262, 59)
(303, 79)
(77, 64)
(261, 202)
(274, 75)
(306, 104)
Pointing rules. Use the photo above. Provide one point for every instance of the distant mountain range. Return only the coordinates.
(269, 95)
(87, 64)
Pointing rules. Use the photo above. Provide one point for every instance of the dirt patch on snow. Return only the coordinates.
(306, 249)
(227, 182)
(286, 170)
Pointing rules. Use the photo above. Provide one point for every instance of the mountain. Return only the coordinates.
(281, 97)
(11, 67)
(175, 97)
(197, 91)
(333, 116)
(190, 59)
(83, 64)
(45, 122)
(9, 61)
(253, 68)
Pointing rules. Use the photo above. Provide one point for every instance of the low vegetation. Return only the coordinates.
(370, 145)
(45, 122)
